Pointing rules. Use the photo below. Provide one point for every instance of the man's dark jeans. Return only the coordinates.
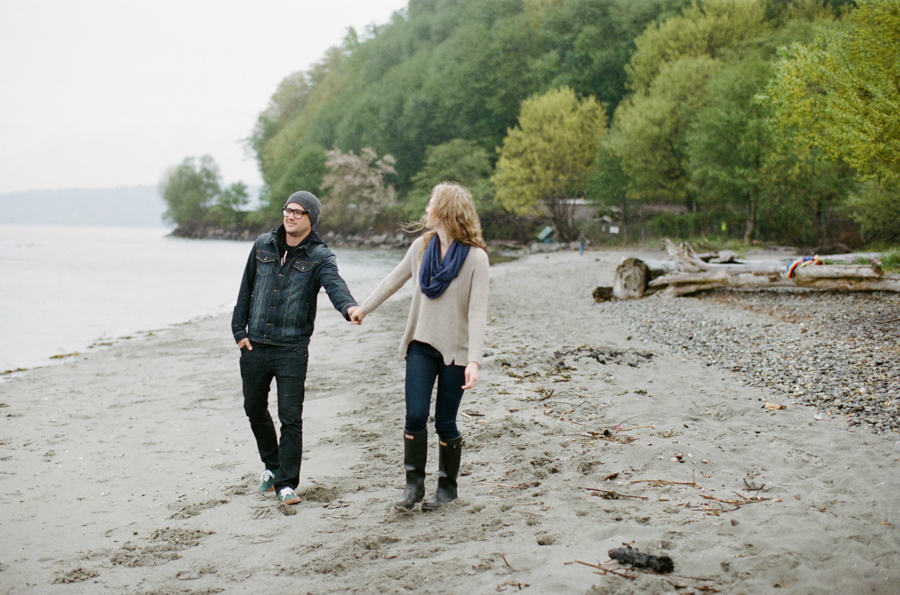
(288, 366)
(424, 364)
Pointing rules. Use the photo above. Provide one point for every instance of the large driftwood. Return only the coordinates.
(633, 277)
(689, 273)
(679, 284)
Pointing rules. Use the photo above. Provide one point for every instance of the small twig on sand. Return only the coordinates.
(504, 485)
(570, 411)
(619, 425)
(889, 320)
(668, 578)
(611, 495)
(577, 423)
(712, 511)
(504, 561)
(520, 586)
(605, 570)
(662, 482)
(636, 427)
(738, 503)
(609, 437)
(752, 487)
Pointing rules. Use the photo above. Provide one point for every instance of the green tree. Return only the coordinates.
(228, 210)
(189, 189)
(648, 131)
(586, 44)
(289, 99)
(668, 72)
(283, 129)
(547, 159)
(839, 96)
(748, 174)
(728, 144)
(447, 70)
(702, 30)
(876, 207)
(305, 172)
(461, 161)
(840, 93)
(234, 197)
(608, 182)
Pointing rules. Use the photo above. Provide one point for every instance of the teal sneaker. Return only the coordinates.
(288, 496)
(266, 482)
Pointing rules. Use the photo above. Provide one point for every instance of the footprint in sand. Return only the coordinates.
(164, 547)
(76, 575)
(190, 510)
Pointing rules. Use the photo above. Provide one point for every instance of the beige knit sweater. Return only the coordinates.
(452, 323)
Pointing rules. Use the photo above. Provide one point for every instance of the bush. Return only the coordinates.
(890, 260)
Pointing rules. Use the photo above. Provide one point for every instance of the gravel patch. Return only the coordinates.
(839, 352)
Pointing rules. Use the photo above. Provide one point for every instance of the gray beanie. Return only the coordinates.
(308, 201)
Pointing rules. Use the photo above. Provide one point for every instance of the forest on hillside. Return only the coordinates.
(749, 120)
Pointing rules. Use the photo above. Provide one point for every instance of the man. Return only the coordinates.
(272, 324)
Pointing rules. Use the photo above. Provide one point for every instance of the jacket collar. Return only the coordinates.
(278, 235)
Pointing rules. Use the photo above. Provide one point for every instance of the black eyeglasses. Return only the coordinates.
(296, 213)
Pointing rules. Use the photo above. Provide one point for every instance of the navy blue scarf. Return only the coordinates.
(435, 276)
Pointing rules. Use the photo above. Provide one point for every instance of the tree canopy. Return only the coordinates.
(459, 160)
(838, 95)
(767, 120)
(190, 188)
(548, 158)
(449, 70)
(193, 193)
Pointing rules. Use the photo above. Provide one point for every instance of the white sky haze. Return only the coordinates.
(104, 93)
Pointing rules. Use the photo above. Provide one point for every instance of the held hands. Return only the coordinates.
(245, 342)
(356, 314)
(471, 375)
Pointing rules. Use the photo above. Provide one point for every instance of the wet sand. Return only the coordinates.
(133, 469)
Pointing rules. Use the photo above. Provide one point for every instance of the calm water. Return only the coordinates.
(65, 288)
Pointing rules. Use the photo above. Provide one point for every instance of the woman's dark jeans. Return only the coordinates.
(424, 364)
(287, 365)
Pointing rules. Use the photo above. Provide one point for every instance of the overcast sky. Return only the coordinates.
(103, 93)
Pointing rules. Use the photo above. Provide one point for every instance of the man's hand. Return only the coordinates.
(245, 342)
(471, 375)
(356, 314)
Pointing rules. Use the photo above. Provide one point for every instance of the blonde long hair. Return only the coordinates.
(454, 206)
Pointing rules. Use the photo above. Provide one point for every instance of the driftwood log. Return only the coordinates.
(689, 273)
(634, 275)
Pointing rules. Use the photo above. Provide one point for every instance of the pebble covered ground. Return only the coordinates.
(837, 351)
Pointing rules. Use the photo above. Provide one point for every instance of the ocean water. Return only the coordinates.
(63, 288)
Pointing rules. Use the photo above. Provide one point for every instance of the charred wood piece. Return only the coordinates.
(629, 555)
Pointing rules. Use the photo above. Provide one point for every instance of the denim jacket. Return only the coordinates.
(277, 302)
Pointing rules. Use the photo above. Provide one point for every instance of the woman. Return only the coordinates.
(444, 333)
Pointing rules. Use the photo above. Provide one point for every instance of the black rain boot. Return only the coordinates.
(449, 453)
(415, 453)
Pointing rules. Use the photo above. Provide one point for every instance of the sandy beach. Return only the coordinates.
(133, 469)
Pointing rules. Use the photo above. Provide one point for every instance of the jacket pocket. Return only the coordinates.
(300, 272)
(266, 263)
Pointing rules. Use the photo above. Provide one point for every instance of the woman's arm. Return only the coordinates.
(477, 316)
(388, 286)
(478, 304)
